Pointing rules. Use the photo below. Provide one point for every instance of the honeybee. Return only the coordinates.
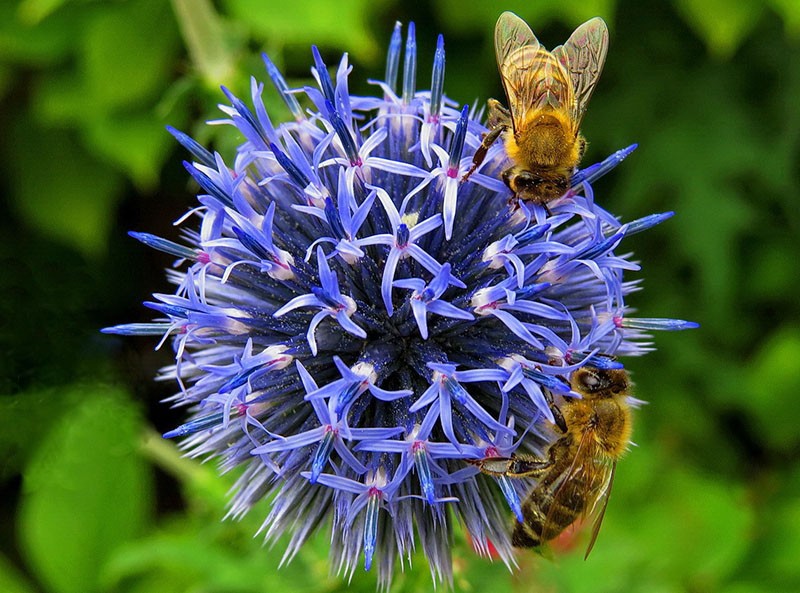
(547, 96)
(575, 478)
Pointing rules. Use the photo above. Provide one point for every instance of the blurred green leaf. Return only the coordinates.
(127, 53)
(790, 12)
(137, 143)
(205, 36)
(753, 587)
(477, 15)
(773, 561)
(58, 189)
(205, 488)
(24, 421)
(773, 277)
(37, 43)
(86, 491)
(6, 79)
(218, 556)
(12, 580)
(347, 25)
(34, 11)
(723, 24)
(123, 62)
(682, 531)
(695, 171)
(773, 382)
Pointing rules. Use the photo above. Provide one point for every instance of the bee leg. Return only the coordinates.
(516, 466)
(524, 466)
(480, 154)
(558, 417)
(513, 201)
(498, 115)
(581, 147)
(493, 466)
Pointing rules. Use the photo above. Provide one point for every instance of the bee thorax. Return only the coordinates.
(544, 141)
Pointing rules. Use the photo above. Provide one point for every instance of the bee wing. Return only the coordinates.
(583, 57)
(594, 472)
(510, 34)
(600, 509)
(532, 77)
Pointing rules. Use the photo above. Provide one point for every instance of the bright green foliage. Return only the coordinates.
(11, 579)
(723, 23)
(475, 15)
(346, 25)
(86, 491)
(772, 402)
(707, 501)
(72, 199)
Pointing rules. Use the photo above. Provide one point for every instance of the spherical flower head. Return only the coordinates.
(353, 323)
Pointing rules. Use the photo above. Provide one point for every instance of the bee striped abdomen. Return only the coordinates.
(545, 517)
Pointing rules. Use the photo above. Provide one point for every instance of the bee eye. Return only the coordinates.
(590, 381)
(526, 181)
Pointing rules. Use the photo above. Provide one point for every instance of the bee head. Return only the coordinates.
(599, 383)
(531, 187)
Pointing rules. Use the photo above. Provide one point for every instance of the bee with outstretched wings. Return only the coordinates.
(547, 95)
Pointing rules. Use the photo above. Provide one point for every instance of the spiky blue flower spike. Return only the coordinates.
(352, 322)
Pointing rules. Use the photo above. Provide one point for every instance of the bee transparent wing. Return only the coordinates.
(600, 509)
(589, 470)
(533, 78)
(510, 34)
(583, 57)
(513, 41)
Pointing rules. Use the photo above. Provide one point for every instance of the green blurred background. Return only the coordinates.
(93, 501)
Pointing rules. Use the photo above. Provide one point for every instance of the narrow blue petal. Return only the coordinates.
(595, 172)
(296, 174)
(199, 152)
(174, 311)
(446, 309)
(424, 475)
(507, 487)
(321, 455)
(532, 234)
(600, 362)
(280, 84)
(139, 329)
(208, 185)
(295, 441)
(345, 398)
(437, 78)
(658, 324)
(547, 381)
(338, 483)
(371, 527)
(410, 65)
(457, 144)
(647, 222)
(348, 143)
(325, 83)
(393, 57)
(196, 425)
(164, 245)
(597, 249)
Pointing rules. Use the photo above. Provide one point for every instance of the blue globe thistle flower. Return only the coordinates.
(352, 322)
